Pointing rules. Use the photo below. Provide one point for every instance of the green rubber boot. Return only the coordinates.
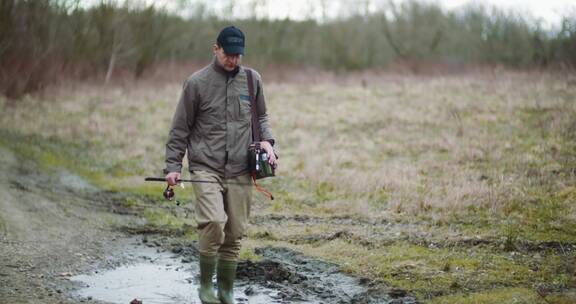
(225, 276)
(206, 289)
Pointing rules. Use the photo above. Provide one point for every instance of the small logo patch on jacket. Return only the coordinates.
(245, 98)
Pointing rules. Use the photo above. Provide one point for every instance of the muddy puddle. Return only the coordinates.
(158, 272)
(153, 275)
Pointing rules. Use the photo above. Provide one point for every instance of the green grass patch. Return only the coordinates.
(81, 158)
(161, 220)
(433, 272)
(562, 298)
(500, 296)
(248, 253)
(541, 219)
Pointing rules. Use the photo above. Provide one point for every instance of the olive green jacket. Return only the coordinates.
(213, 122)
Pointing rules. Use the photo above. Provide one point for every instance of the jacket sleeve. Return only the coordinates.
(265, 129)
(182, 123)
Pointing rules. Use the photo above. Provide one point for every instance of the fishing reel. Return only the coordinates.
(168, 193)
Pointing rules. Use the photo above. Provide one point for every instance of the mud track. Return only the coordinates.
(382, 237)
(56, 230)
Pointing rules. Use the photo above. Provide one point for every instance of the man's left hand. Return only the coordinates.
(270, 151)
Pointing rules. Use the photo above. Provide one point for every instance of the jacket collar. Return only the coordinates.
(218, 68)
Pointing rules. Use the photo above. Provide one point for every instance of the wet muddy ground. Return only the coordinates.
(65, 241)
(165, 271)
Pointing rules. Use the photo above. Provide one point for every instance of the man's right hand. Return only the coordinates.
(172, 178)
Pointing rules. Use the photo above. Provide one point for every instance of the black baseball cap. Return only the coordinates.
(231, 39)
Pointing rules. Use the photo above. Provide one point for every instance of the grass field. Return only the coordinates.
(458, 188)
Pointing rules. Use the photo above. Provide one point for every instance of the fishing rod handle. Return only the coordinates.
(155, 179)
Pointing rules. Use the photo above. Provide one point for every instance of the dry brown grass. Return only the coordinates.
(389, 143)
(445, 142)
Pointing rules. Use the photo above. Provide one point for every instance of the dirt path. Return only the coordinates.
(47, 231)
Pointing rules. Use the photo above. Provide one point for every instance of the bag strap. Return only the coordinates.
(260, 189)
(256, 136)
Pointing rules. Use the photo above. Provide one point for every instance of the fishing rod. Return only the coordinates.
(163, 179)
(169, 191)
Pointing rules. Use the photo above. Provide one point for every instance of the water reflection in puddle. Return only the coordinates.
(156, 278)
(151, 283)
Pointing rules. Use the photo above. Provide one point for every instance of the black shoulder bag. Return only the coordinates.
(258, 158)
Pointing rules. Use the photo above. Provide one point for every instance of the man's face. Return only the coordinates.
(228, 62)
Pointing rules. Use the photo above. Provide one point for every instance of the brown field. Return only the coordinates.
(460, 188)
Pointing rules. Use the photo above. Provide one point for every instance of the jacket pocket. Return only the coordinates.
(244, 108)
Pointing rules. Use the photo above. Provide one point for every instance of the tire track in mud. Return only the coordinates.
(378, 239)
(302, 218)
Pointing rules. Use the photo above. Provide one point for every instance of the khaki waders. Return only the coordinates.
(222, 212)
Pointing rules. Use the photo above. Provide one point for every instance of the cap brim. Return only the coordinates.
(233, 50)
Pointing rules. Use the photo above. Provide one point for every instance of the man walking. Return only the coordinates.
(213, 123)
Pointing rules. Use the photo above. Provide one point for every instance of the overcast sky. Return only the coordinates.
(549, 11)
